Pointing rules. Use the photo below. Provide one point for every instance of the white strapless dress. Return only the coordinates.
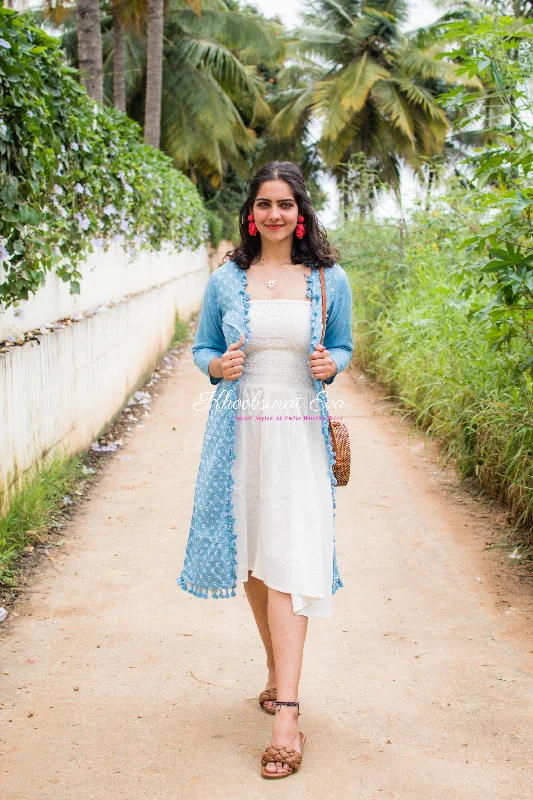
(282, 492)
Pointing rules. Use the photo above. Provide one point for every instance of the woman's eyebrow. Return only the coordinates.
(286, 200)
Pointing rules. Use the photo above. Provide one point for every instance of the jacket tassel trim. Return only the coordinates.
(204, 593)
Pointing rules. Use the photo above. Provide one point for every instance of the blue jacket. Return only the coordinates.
(210, 559)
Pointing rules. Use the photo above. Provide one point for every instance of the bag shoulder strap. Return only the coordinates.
(323, 287)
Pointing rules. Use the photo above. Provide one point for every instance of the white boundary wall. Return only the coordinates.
(106, 276)
(65, 390)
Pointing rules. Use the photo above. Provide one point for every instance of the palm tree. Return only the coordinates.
(373, 92)
(90, 48)
(213, 95)
(284, 85)
(119, 57)
(154, 72)
(212, 91)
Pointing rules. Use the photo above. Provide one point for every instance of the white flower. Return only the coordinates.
(30, 113)
(62, 211)
(3, 43)
(3, 253)
(79, 188)
(97, 242)
(75, 146)
(83, 220)
(85, 148)
(173, 204)
(128, 188)
(57, 189)
(110, 209)
(124, 225)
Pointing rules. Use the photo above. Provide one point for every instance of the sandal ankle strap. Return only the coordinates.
(286, 703)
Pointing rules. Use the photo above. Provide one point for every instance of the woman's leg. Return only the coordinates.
(287, 633)
(257, 594)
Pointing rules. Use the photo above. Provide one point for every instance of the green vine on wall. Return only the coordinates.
(75, 176)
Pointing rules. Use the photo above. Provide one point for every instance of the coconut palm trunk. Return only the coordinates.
(154, 73)
(119, 60)
(90, 48)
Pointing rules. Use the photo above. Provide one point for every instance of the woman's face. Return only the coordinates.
(275, 210)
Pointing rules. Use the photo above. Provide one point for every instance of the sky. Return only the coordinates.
(421, 12)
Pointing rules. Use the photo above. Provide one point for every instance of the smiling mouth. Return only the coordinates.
(274, 227)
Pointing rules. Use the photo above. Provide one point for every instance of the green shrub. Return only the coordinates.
(414, 331)
(75, 175)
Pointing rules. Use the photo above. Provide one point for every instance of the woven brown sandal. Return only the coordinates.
(283, 754)
(267, 696)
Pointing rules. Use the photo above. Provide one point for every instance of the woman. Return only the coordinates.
(265, 493)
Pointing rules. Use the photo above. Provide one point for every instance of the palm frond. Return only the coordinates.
(237, 31)
(337, 8)
(394, 106)
(418, 95)
(215, 59)
(338, 98)
(285, 123)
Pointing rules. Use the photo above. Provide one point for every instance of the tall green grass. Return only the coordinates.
(181, 332)
(34, 507)
(413, 333)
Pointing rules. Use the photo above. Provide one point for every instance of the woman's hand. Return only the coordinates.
(321, 363)
(232, 360)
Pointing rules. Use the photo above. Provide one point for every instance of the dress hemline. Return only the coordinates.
(284, 591)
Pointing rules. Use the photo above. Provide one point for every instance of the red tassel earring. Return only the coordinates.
(252, 227)
(300, 230)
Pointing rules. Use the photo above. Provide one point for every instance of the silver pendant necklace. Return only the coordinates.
(271, 283)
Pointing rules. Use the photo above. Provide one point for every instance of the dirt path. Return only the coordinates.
(120, 685)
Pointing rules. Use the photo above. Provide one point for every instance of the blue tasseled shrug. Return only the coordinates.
(210, 559)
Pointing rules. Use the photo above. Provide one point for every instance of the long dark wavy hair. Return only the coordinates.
(313, 250)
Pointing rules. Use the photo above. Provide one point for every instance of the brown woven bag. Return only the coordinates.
(340, 438)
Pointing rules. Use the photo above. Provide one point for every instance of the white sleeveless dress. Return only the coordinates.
(282, 492)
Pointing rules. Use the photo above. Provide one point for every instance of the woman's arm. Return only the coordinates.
(338, 335)
(209, 341)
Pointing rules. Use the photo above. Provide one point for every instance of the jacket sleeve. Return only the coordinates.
(338, 335)
(209, 341)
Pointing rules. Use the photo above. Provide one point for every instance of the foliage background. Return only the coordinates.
(417, 331)
(75, 175)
